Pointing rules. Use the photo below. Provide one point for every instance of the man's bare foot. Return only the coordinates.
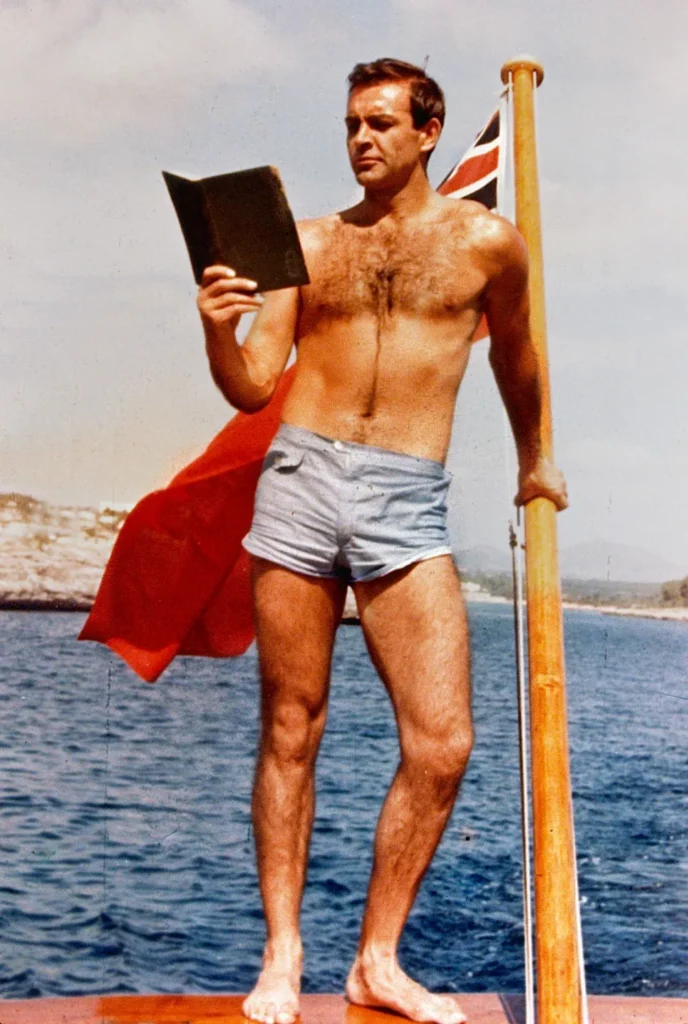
(275, 997)
(381, 982)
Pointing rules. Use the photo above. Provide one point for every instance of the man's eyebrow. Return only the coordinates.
(355, 119)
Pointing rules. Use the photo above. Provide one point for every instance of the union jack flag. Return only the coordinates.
(479, 174)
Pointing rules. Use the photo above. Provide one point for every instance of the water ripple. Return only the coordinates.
(127, 842)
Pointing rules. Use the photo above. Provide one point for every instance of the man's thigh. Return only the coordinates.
(415, 627)
(296, 621)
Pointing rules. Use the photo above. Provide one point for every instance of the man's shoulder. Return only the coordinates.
(492, 236)
(483, 225)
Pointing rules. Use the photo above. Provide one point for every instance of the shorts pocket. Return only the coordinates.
(283, 461)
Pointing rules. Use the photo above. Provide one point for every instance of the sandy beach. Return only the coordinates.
(642, 612)
(670, 614)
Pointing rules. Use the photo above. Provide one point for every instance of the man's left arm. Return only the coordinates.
(514, 363)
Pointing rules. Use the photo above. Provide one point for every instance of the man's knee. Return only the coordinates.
(448, 754)
(292, 730)
(440, 755)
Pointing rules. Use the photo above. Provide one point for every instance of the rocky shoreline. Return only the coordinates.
(52, 558)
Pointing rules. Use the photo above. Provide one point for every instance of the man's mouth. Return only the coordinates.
(364, 161)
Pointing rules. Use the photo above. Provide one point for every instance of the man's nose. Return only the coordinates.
(363, 135)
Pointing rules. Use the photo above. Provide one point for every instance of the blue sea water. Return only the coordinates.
(126, 845)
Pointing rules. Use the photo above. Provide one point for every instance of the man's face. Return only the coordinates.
(383, 144)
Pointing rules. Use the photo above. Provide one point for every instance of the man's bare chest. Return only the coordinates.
(427, 274)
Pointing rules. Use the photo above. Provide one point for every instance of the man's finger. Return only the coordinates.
(231, 298)
(216, 271)
(224, 313)
(530, 492)
(227, 285)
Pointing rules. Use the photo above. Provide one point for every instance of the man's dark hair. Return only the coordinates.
(427, 99)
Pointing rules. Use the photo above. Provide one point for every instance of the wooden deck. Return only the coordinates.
(317, 1009)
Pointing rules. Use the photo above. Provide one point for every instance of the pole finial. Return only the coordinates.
(523, 63)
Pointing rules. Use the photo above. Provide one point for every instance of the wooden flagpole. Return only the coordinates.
(558, 987)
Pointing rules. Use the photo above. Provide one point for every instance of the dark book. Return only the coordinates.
(243, 221)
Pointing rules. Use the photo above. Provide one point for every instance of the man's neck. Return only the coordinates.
(402, 202)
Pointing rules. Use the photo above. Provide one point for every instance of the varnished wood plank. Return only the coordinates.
(481, 1008)
(637, 1010)
(178, 1009)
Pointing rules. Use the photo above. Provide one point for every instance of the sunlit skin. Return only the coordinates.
(383, 335)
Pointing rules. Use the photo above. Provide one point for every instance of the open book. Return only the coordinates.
(243, 221)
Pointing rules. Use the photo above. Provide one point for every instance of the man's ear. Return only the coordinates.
(430, 133)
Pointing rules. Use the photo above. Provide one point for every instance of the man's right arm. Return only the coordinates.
(247, 374)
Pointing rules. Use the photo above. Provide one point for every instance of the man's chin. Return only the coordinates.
(371, 177)
(364, 174)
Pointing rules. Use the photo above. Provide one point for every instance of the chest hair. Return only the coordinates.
(427, 272)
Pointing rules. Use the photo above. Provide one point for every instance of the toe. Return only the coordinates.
(456, 1015)
(252, 1012)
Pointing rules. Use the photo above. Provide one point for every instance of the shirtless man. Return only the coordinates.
(353, 491)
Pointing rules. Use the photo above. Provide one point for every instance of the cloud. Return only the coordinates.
(610, 235)
(618, 457)
(607, 39)
(102, 344)
(598, 455)
(78, 70)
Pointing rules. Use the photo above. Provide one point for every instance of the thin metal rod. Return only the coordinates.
(585, 1016)
(523, 771)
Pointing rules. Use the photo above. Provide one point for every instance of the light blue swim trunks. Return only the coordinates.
(341, 510)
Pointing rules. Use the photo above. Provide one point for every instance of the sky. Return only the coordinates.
(104, 387)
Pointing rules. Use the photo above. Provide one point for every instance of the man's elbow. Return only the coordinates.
(247, 398)
(253, 403)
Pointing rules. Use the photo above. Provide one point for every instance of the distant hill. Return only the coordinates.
(622, 563)
(484, 558)
(596, 560)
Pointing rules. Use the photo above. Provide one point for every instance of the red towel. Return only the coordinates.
(177, 581)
